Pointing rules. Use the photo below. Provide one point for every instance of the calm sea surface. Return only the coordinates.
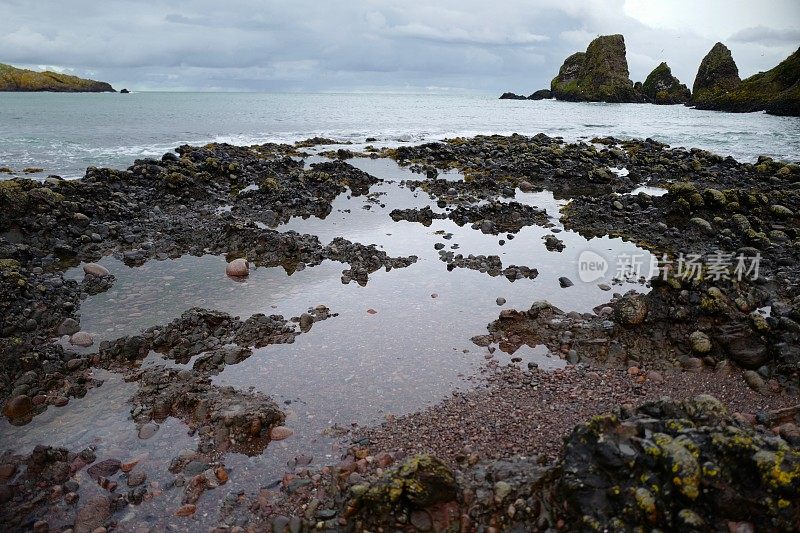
(65, 133)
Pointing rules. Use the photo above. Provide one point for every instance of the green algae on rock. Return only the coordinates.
(717, 75)
(718, 86)
(776, 91)
(680, 466)
(662, 88)
(598, 75)
(14, 79)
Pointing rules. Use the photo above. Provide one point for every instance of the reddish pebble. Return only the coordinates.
(238, 268)
(128, 466)
(93, 269)
(384, 459)
(81, 338)
(633, 371)
(280, 433)
(186, 510)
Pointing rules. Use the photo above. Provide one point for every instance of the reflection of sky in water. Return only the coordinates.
(353, 368)
(358, 366)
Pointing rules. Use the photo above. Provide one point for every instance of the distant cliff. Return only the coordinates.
(22, 80)
(776, 91)
(598, 75)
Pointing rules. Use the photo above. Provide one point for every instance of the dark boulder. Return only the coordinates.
(541, 94)
(743, 345)
(677, 466)
(512, 96)
(419, 482)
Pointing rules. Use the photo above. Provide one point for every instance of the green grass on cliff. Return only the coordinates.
(17, 79)
(776, 90)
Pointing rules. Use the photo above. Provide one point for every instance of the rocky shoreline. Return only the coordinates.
(520, 448)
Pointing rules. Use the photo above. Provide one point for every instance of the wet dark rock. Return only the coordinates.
(68, 327)
(512, 96)
(541, 94)
(18, 410)
(424, 216)
(686, 465)
(553, 243)
(30, 485)
(241, 420)
(93, 514)
(217, 337)
(743, 345)
(363, 260)
(105, 468)
(418, 482)
(136, 478)
(631, 310)
(491, 265)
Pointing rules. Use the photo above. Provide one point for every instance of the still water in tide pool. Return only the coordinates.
(354, 368)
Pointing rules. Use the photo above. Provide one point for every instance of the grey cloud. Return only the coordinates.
(306, 45)
(462, 36)
(767, 36)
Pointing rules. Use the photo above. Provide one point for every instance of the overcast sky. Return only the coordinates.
(383, 45)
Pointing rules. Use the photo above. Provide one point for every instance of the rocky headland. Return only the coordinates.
(718, 86)
(14, 79)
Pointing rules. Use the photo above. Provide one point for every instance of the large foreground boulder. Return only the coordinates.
(598, 75)
(678, 466)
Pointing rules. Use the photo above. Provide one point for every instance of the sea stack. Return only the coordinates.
(598, 75)
(716, 76)
(662, 88)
